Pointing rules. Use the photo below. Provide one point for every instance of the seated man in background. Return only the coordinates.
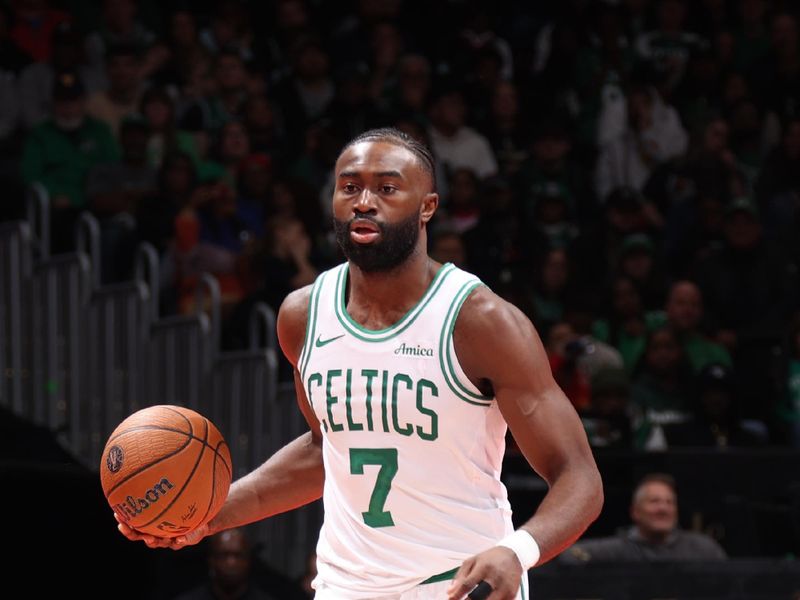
(654, 535)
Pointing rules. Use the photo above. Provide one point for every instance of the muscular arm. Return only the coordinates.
(496, 344)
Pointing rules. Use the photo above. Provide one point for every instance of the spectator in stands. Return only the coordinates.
(551, 288)
(715, 422)
(413, 87)
(461, 207)
(627, 323)
(506, 128)
(155, 217)
(232, 147)
(599, 243)
(637, 260)
(305, 95)
(230, 558)
(550, 167)
(120, 26)
(447, 246)
(745, 284)
(60, 152)
(684, 312)
(452, 140)
(36, 81)
(210, 237)
(115, 190)
(607, 419)
(125, 87)
(230, 29)
(158, 110)
(666, 50)
(663, 388)
(776, 190)
(651, 134)
(655, 535)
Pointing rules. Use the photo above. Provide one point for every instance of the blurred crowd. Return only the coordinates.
(626, 172)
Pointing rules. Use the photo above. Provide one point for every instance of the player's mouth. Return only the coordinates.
(363, 231)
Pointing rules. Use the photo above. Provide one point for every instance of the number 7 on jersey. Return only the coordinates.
(386, 458)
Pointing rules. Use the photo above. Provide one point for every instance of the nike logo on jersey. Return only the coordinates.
(320, 342)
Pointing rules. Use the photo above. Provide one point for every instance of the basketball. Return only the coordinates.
(165, 470)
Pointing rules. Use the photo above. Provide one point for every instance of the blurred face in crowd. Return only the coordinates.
(123, 73)
(68, 114)
(715, 138)
(663, 352)
(463, 189)
(637, 264)
(259, 113)
(230, 73)
(505, 101)
(229, 559)
(555, 270)
(235, 144)
(184, 29)
(784, 35)
(449, 248)
(549, 150)
(119, 14)
(685, 306)
(178, 176)
(655, 510)
(449, 113)
(158, 113)
(311, 62)
(626, 299)
(742, 230)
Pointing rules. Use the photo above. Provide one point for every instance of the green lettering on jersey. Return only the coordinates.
(434, 430)
(315, 377)
(351, 426)
(384, 396)
(369, 374)
(331, 400)
(400, 377)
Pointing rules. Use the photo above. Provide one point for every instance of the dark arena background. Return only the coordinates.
(625, 172)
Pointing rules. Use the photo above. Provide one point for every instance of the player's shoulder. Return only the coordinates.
(485, 312)
(292, 318)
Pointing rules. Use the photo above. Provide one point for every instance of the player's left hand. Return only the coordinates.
(498, 566)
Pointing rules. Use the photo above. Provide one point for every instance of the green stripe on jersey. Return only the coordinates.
(446, 361)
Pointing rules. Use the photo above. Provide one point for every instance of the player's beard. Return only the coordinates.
(395, 244)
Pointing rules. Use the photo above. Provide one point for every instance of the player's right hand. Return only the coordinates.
(152, 541)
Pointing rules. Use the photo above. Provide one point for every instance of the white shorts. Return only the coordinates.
(423, 591)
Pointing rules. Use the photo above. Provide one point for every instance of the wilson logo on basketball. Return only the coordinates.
(133, 507)
(114, 459)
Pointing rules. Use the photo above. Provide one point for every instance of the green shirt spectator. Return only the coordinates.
(59, 152)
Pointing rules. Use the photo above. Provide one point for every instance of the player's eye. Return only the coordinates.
(349, 188)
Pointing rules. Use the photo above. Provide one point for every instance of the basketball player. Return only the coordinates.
(409, 372)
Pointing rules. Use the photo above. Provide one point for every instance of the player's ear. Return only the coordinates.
(429, 204)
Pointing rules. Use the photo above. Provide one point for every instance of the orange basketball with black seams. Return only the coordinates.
(166, 470)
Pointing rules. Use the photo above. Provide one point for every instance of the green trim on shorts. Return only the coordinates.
(441, 576)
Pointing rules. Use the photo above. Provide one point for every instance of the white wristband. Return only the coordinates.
(524, 546)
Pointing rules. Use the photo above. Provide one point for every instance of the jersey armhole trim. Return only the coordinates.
(462, 390)
(311, 325)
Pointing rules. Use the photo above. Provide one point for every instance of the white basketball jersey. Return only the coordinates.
(412, 449)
